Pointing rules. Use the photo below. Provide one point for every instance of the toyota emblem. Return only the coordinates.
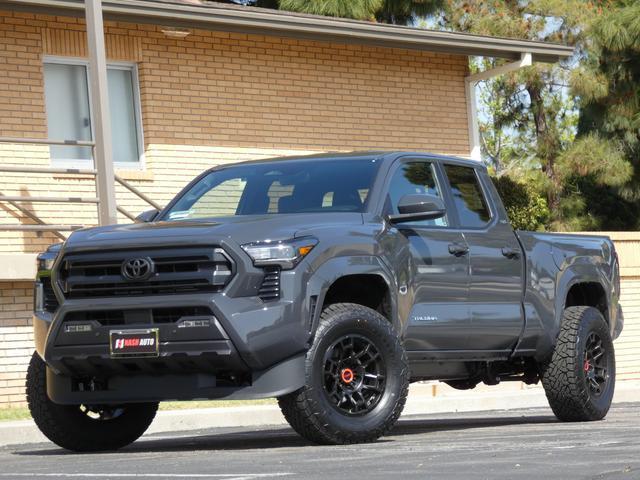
(138, 269)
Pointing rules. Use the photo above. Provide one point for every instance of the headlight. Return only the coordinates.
(47, 258)
(286, 254)
(45, 264)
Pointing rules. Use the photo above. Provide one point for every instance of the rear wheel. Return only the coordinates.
(84, 428)
(357, 379)
(579, 380)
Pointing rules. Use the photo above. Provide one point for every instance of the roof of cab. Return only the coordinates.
(385, 155)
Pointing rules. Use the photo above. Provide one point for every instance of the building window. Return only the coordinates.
(67, 98)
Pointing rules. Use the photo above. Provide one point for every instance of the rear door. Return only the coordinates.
(434, 285)
(496, 262)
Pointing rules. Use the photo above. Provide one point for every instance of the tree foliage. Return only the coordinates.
(529, 117)
(357, 9)
(526, 206)
(607, 84)
(403, 12)
(399, 12)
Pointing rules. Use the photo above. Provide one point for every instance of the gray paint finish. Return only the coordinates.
(475, 307)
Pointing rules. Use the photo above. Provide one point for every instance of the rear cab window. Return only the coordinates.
(468, 196)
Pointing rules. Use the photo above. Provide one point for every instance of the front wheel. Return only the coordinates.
(84, 428)
(579, 380)
(357, 379)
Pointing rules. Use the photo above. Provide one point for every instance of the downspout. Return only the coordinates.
(470, 83)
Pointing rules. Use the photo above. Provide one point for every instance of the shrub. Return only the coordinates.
(526, 205)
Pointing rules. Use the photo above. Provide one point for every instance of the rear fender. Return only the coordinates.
(579, 272)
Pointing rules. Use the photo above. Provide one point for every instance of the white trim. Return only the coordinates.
(473, 124)
(526, 60)
(133, 68)
(470, 84)
(18, 266)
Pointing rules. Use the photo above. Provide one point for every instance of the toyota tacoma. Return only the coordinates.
(329, 282)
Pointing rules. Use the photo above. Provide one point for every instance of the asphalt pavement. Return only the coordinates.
(514, 444)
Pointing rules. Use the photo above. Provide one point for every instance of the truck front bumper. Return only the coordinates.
(224, 347)
(282, 378)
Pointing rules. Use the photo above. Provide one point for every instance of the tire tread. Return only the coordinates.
(300, 408)
(61, 425)
(567, 394)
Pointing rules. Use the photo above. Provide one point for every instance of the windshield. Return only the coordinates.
(291, 186)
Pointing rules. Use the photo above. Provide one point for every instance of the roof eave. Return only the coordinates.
(265, 22)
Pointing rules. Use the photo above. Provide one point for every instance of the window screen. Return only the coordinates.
(123, 115)
(67, 103)
(69, 117)
(467, 195)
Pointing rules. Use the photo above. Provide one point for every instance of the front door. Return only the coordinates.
(434, 287)
(496, 264)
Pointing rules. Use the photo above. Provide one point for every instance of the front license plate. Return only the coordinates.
(134, 343)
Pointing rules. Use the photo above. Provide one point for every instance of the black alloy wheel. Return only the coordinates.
(354, 374)
(595, 365)
(356, 378)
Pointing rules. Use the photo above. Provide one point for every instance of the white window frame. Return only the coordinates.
(133, 68)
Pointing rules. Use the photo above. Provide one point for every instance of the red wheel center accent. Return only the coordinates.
(346, 375)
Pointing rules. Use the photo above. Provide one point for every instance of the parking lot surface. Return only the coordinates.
(485, 445)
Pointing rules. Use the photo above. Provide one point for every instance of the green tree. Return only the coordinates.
(607, 84)
(530, 108)
(399, 12)
(357, 9)
(403, 12)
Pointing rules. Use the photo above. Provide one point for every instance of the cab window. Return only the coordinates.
(467, 196)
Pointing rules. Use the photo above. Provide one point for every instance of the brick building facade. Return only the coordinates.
(211, 98)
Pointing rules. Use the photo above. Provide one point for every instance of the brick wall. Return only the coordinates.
(217, 97)
(16, 339)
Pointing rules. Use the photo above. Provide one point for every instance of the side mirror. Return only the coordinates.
(419, 207)
(148, 216)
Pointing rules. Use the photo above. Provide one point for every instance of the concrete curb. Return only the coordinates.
(421, 401)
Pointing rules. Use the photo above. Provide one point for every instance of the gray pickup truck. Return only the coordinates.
(329, 282)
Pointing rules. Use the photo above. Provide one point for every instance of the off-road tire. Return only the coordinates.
(69, 427)
(309, 410)
(564, 376)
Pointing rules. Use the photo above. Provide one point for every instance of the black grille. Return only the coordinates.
(50, 300)
(149, 316)
(270, 288)
(177, 270)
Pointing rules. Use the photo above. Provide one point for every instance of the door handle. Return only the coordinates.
(458, 249)
(510, 252)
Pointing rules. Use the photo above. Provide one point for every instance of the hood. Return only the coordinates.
(239, 229)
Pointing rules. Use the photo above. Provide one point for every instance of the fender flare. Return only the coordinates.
(338, 267)
(574, 275)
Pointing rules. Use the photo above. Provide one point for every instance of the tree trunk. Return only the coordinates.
(547, 147)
